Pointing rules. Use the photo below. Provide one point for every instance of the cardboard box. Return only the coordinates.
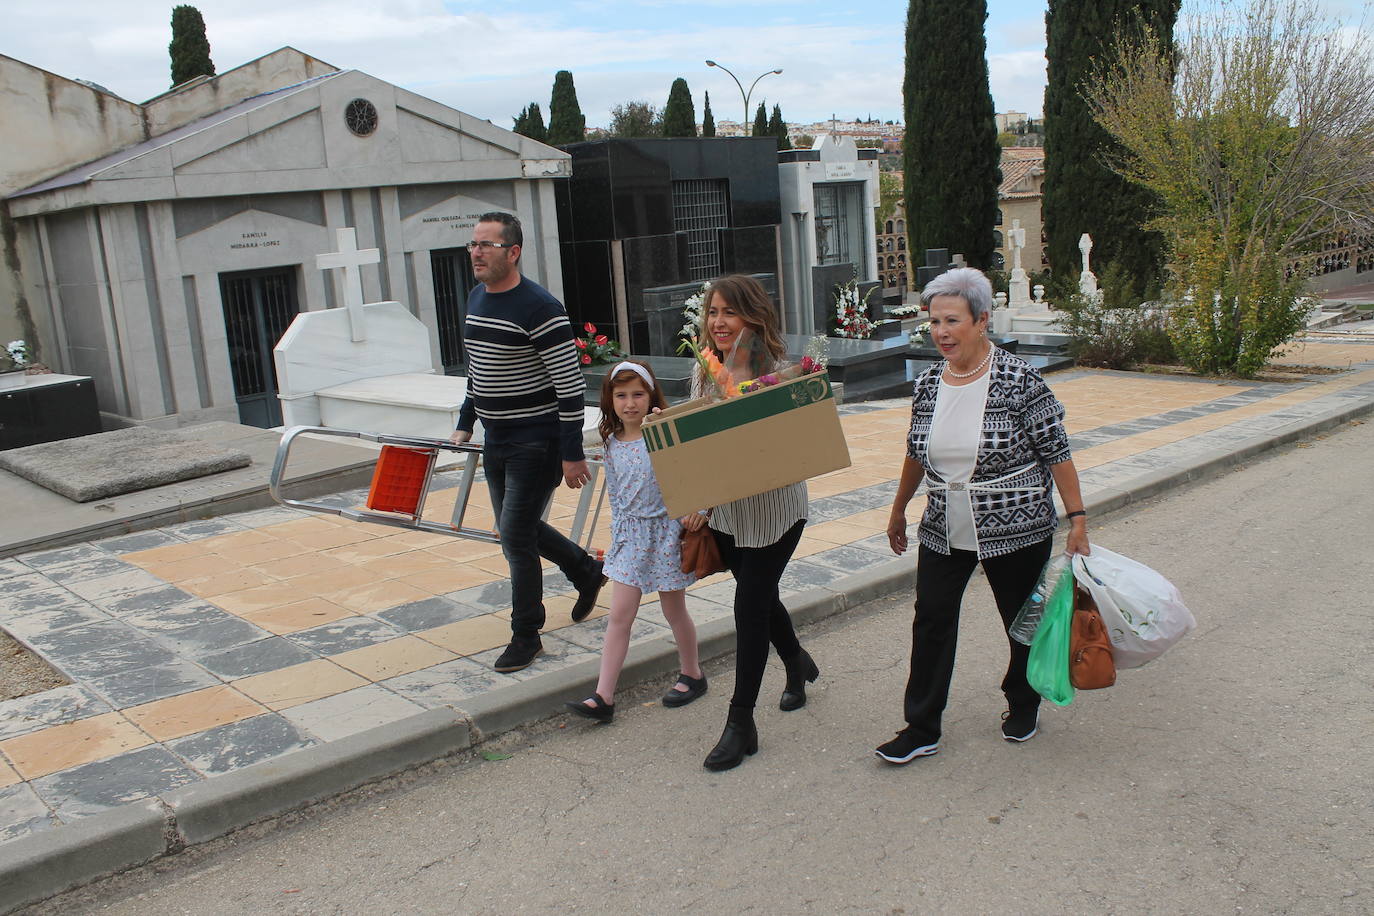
(705, 453)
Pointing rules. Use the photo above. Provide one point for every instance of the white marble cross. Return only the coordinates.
(1087, 280)
(1018, 284)
(351, 260)
(1016, 240)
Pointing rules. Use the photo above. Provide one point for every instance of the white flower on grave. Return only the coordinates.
(691, 313)
(18, 352)
(851, 312)
(909, 310)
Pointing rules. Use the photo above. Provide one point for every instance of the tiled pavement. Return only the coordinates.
(201, 648)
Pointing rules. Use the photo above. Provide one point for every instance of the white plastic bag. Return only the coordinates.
(1144, 613)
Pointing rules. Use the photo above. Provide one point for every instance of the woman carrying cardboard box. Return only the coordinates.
(756, 534)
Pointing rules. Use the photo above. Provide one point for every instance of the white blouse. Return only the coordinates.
(760, 520)
(954, 436)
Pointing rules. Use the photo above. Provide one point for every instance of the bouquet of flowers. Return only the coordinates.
(596, 348)
(851, 312)
(909, 310)
(723, 379)
(16, 356)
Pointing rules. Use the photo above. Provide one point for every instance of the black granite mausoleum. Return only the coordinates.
(641, 214)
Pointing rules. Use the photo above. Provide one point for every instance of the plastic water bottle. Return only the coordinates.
(1033, 611)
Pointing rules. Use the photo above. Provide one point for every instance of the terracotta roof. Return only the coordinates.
(1018, 164)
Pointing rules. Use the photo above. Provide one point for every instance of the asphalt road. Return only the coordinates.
(1231, 775)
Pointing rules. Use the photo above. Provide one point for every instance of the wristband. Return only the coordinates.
(1079, 513)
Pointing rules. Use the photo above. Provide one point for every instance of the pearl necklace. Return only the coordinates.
(972, 372)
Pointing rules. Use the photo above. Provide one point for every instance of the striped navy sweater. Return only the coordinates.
(523, 377)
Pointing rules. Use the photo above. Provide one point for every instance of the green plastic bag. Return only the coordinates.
(1048, 668)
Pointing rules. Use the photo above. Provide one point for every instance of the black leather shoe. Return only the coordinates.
(696, 686)
(800, 669)
(586, 595)
(521, 652)
(602, 712)
(739, 739)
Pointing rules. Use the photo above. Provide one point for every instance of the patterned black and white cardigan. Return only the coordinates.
(1023, 434)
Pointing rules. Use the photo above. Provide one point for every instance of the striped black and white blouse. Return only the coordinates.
(760, 520)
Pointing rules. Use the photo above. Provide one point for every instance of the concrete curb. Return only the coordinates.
(50, 862)
(225, 803)
(53, 861)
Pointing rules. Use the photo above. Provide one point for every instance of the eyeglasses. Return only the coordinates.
(488, 246)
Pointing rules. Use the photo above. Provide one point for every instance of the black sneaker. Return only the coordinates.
(906, 747)
(1020, 725)
(586, 595)
(521, 652)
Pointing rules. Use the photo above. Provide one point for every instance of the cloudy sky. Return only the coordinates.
(490, 59)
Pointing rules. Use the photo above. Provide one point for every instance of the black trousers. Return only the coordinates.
(760, 618)
(940, 583)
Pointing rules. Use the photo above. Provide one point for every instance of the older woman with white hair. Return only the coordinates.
(987, 435)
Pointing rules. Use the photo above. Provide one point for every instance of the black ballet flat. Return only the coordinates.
(602, 712)
(696, 686)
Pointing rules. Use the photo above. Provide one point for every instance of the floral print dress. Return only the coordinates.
(646, 545)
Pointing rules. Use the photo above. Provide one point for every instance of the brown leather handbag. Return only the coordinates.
(1090, 649)
(700, 555)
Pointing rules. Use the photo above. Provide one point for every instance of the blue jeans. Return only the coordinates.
(521, 477)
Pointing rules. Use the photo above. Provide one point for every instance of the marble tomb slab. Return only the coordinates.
(88, 468)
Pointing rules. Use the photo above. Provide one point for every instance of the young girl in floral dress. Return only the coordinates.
(646, 553)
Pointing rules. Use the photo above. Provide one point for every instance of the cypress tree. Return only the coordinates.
(708, 121)
(566, 122)
(1081, 193)
(189, 49)
(760, 122)
(951, 157)
(778, 128)
(530, 123)
(679, 115)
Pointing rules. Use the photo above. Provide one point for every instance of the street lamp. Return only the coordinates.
(748, 130)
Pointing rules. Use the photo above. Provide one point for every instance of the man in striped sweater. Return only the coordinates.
(525, 385)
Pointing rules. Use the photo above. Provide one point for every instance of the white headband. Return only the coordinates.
(637, 369)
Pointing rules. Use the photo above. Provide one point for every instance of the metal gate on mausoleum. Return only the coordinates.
(453, 280)
(259, 306)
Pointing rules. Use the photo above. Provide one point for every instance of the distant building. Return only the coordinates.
(892, 260)
(1020, 197)
(1010, 122)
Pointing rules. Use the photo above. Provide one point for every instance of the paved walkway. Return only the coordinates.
(202, 651)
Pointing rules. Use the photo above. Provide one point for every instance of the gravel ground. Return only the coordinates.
(22, 672)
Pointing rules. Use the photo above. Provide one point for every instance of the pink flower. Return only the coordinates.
(601, 339)
(765, 380)
(808, 365)
(589, 328)
(581, 344)
(586, 359)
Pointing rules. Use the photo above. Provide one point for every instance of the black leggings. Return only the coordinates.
(940, 583)
(760, 617)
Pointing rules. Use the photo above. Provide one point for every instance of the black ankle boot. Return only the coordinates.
(800, 669)
(739, 738)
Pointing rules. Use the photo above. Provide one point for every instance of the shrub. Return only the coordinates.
(1112, 330)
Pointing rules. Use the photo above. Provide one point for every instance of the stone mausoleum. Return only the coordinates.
(162, 249)
(643, 222)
